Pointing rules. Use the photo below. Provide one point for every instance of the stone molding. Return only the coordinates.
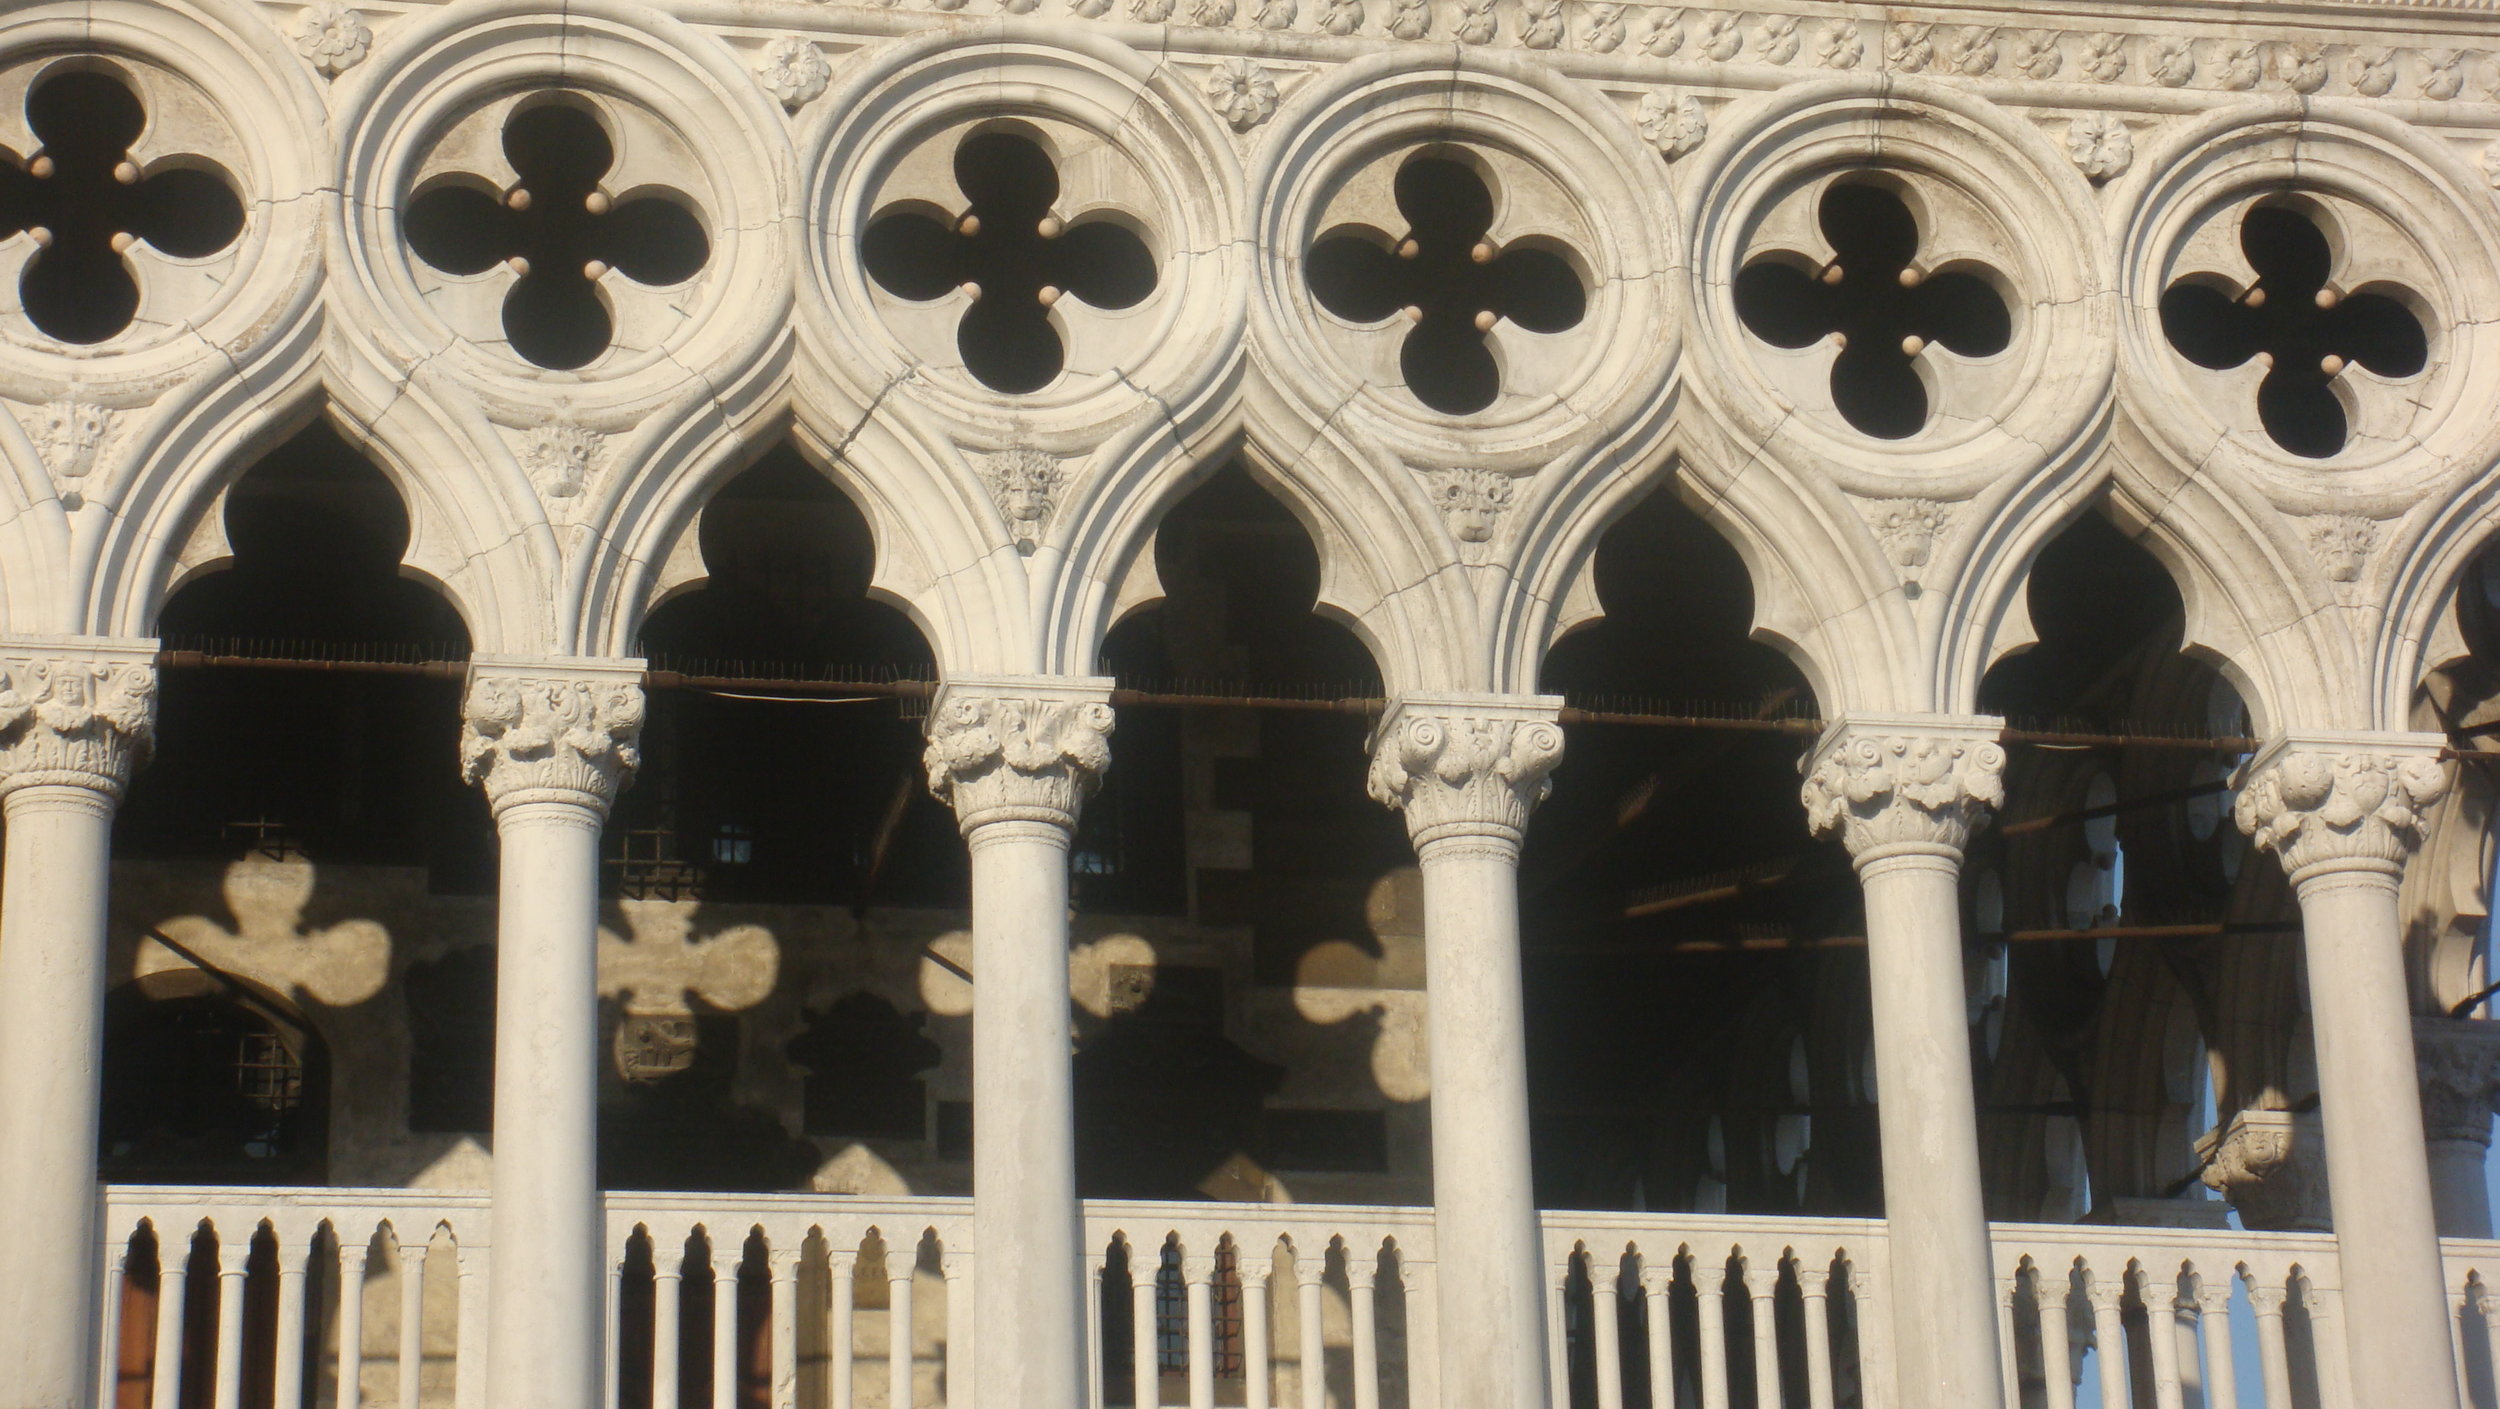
(75, 712)
(1013, 748)
(2271, 1165)
(2459, 1062)
(1888, 782)
(551, 729)
(2335, 801)
(1466, 765)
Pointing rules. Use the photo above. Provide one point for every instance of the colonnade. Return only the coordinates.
(552, 741)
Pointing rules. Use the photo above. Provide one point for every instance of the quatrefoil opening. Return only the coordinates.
(1877, 303)
(1446, 279)
(86, 203)
(560, 231)
(1012, 257)
(2296, 324)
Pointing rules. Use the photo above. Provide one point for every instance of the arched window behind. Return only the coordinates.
(209, 1082)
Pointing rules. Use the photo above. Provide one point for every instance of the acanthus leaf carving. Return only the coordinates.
(1882, 782)
(2459, 1060)
(76, 717)
(1018, 750)
(546, 731)
(2340, 800)
(1024, 483)
(1462, 767)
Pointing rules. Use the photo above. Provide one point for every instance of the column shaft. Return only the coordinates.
(2378, 1176)
(1029, 1339)
(52, 902)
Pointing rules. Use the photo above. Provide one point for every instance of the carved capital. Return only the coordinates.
(1008, 749)
(75, 712)
(1887, 782)
(1466, 765)
(2271, 1165)
(2341, 801)
(2459, 1062)
(556, 729)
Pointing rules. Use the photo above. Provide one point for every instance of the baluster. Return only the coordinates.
(841, 1319)
(1359, 1275)
(1709, 1295)
(958, 1270)
(2161, 1335)
(233, 1264)
(1095, 1393)
(1557, 1339)
(1813, 1291)
(1423, 1332)
(2009, 1353)
(1313, 1372)
(2457, 1308)
(2326, 1320)
(2267, 1303)
(900, 1263)
(352, 1259)
(1657, 1284)
(2491, 1330)
(611, 1329)
(1197, 1278)
(108, 1375)
(1606, 1330)
(785, 1265)
(173, 1276)
(411, 1322)
(1874, 1331)
(468, 1383)
(2213, 1327)
(1145, 1359)
(2055, 1289)
(668, 1290)
(728, 1250)
(2109, 1336)
(1254, 1272)
(287, 1385)
(1763, 1285)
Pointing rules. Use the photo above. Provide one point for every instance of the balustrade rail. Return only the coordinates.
(376, 1299)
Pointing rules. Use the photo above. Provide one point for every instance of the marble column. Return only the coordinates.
(77, 716)
(2344, 812)
(1467, 770)
(551, 741)
(1903, 793)
(1015, 757)
(2460, 1069)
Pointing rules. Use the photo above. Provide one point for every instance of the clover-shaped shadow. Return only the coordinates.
(2298, 325)
(560, 231)
(1449, 281)
(86, 202)
(1012, 257)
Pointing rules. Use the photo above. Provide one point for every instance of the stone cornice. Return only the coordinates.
(2327, 801)
(75, 711)
(1466, 765)
(551, 729)
(1012, 748)
(1903, 782)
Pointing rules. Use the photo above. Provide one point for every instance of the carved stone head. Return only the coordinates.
(1024, 483)
(1471, 501)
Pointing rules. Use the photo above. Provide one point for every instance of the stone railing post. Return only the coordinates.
(1016, 757)
(2460, 1066)
(1467, 770)
(552, 741)
(2344, 812)
(1903, 793)
(77, 717)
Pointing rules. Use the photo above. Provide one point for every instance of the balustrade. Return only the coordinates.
(375, 1298)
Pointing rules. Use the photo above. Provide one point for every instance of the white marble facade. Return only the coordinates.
(2076, 167)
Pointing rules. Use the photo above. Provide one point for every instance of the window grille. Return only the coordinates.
(268, 1075)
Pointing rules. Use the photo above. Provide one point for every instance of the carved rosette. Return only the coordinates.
(2341, 801)
(1462, 766)
(2271, 1166)
(552, 731)
(2459, 1061)
(1009, 750)
(1910, 782)
(81, 716)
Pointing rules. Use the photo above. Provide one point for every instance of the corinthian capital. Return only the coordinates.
(75, 711)
(1912, 781)
(1466, 765)
(2341, 800)
(1018, 748)
(551, 729)
(2459, 1061)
